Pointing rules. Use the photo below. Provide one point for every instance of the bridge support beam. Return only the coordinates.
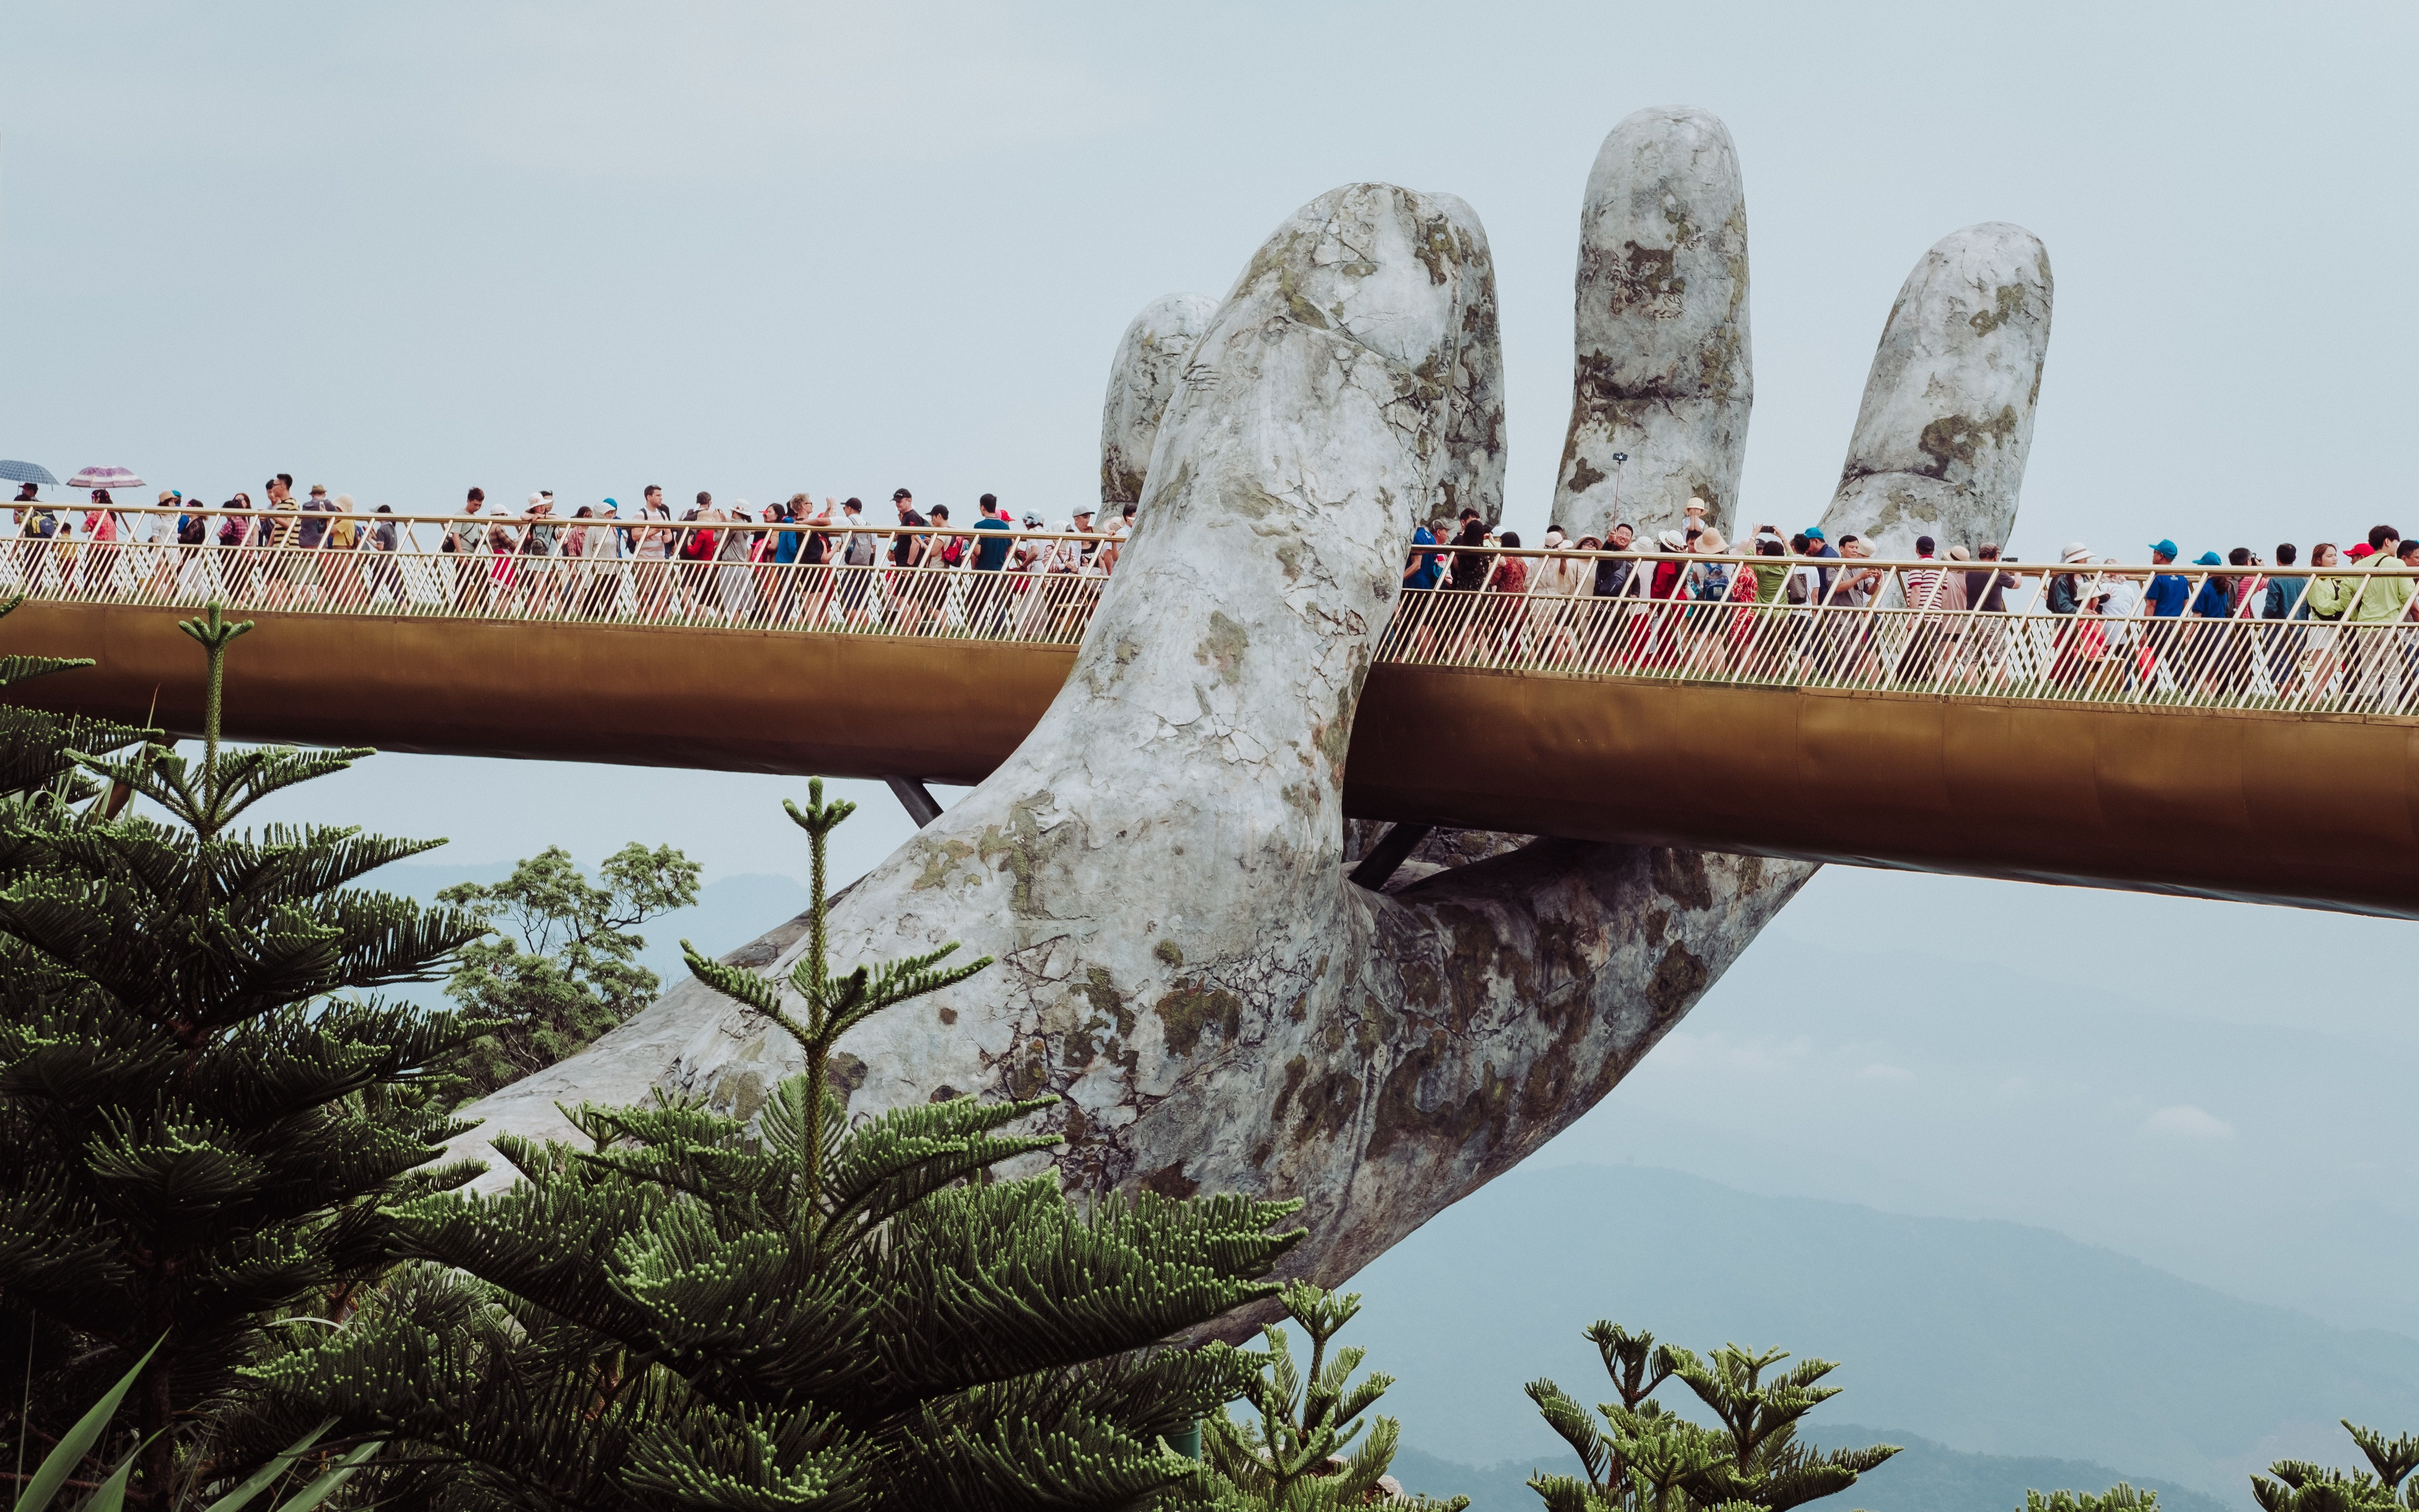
(916, 798)
(1378, 868)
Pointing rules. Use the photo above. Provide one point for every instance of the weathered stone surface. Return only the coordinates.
(1159, 869)
(1948, 417)
(1663, 369)
(1150, 357)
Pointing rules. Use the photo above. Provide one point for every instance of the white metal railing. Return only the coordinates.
(1928, 626)
(591, 571)
(1912, 626)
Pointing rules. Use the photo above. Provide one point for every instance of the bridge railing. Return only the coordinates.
(1909, 628)
(1857, 624)
(744, 590)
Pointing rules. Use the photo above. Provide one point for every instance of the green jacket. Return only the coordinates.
(2329, 598)
(2388, 596)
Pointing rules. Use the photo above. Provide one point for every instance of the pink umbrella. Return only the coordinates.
(104, 478)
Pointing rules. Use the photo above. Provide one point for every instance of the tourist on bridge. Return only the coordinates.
(466, 536)
(2285, 601)
(2383, 599)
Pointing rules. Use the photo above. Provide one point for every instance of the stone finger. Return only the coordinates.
(1948, 415)
(1663, 372)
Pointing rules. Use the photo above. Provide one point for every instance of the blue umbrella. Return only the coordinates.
(27, 473)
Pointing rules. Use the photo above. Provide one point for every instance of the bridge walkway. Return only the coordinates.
(2234, 757)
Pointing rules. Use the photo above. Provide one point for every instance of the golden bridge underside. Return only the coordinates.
(2313, 810)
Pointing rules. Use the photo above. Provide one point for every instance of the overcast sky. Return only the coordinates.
(401, 249)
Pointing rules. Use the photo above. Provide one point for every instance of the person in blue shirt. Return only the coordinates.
(991, 598)
(1421, 572)
(2214, 601)
(2165, 599)
(2168, 590)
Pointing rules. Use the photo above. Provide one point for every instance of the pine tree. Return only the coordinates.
(562, 968)
(34, 744)
(806, 1312)
(2300, 1486)
(1655, 1460)
(1294, 1458)
(204, 1114)
(2118, 1497)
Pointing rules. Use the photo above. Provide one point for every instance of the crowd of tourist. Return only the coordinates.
(2124, 625)
(736, 564)
(711, 560)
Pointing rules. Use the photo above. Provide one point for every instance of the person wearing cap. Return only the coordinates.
(1695, 517)
(1819, 547)
(902, 593)
(2381, 601)
(2168, 591)
(2164, 599)
(2064, 595)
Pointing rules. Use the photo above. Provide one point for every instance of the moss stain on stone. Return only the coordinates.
(2009, 303)
(1957, 438)
(939, 861)
(1680, 876)
(1169, 1180)
(1223, 646)
(1454, 1121)
(1679, 977)
(1021, 849)
(1192, 1010)
(1169, 952)
(1327, 1107)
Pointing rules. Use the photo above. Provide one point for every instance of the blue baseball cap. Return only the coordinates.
(1814, 533)
(612, 503)
(2166, 548)
(2209, 559)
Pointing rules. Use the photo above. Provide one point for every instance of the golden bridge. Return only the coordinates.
(2270, 762)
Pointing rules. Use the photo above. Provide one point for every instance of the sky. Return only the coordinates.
(401, 250)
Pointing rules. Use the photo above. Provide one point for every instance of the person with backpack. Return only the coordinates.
(858, 555)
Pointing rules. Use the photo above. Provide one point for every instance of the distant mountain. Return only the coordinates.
(1992, 1338)
(1924, 1477)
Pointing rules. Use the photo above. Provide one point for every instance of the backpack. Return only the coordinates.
(1796, 592)
(860, 551)
(954, 552)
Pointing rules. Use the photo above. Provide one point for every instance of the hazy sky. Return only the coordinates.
(401, 250)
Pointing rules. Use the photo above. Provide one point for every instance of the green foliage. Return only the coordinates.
(2300, 1486)
(52, 1477)
(2118, 1497)
(1294, 1458)
(37, 764)
(204, 1110)
(690, 1310)
(561, 966)
(1648, 1458)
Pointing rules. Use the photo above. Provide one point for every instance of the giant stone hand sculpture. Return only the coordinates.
(1150, 357)
(1158, 868)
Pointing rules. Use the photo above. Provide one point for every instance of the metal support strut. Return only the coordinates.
(916, 798)
(1378, 868)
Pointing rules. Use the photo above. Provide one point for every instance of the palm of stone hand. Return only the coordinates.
(1159, 868)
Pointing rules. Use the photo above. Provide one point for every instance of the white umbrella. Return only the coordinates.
(104, 478)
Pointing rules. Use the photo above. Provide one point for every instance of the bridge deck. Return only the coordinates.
(1940, 742)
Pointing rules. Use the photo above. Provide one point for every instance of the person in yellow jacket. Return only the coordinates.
(2380, 605)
